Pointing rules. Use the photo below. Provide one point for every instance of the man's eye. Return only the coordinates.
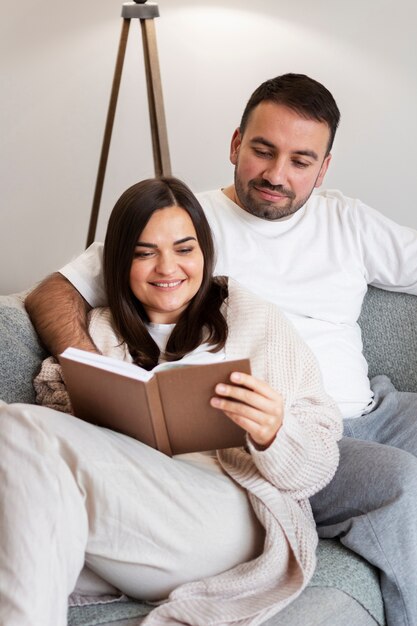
(301, 164)
(262, 153)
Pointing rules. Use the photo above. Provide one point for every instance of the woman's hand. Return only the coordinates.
(253, 405)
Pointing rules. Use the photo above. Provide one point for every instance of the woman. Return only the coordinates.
(229, 537)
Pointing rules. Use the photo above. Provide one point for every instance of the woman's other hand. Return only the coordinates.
(253, 405)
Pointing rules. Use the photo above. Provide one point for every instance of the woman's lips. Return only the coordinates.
(167, 284)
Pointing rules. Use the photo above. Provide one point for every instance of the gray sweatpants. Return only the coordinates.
(371, 504)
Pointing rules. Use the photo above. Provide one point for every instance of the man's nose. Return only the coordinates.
(276, 172)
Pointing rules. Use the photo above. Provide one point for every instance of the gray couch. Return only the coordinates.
(345, 590)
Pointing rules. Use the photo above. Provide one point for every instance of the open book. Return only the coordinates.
(168, 408)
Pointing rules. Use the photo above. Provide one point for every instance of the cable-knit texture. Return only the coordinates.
(301, 461)
(50, 389)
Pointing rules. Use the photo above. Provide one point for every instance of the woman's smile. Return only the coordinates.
(167, 267)
(168, 285)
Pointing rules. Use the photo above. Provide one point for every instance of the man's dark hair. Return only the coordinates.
(302, 94)
(202, 320)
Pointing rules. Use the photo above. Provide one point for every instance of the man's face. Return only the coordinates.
(279, 160)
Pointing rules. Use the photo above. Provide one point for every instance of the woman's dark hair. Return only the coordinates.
(202, 320)
(302, 94)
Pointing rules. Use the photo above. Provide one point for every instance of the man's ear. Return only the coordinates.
(234, 146)
(323, 170)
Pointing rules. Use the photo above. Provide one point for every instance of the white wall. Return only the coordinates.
(57, 61)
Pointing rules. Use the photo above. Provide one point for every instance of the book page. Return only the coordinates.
(107, 363)
(134, 371)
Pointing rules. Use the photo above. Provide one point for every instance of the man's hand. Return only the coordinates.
(59, 315)
(253, 405)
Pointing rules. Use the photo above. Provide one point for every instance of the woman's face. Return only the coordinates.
(167, 266)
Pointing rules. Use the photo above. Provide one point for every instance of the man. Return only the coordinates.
(313, 254)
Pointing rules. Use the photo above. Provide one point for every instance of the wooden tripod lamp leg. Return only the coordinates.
(162, 164)
(146, 14)
(108, 132)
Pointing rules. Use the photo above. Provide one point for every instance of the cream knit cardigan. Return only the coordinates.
(301, 461)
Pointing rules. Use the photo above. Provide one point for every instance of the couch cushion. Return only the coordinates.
(344, 591)
(389, 331)
(20, 352)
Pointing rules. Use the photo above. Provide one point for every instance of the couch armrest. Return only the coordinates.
(388, 322)
(20, 351)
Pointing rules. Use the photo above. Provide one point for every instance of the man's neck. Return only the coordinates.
(230, 192)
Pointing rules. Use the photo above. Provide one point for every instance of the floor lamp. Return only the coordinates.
(162, 166)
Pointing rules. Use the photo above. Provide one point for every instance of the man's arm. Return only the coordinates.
(59, 315)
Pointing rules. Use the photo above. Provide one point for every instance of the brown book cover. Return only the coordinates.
(170, 411)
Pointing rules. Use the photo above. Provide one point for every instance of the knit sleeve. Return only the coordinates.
(50, 388)
(304, 456)
(105, 337)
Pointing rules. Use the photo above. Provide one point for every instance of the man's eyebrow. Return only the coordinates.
(263, 141)
(145, 244)
(308, 153)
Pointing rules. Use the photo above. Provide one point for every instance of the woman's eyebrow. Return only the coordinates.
(145, 244)
(184, 240)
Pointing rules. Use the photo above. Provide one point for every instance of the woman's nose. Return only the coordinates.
(166, 264)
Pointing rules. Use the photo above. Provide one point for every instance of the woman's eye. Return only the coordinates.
(185, 250)
(143, 255)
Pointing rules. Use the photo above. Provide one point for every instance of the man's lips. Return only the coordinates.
(269, 194)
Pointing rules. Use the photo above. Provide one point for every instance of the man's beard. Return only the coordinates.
(264, 209)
